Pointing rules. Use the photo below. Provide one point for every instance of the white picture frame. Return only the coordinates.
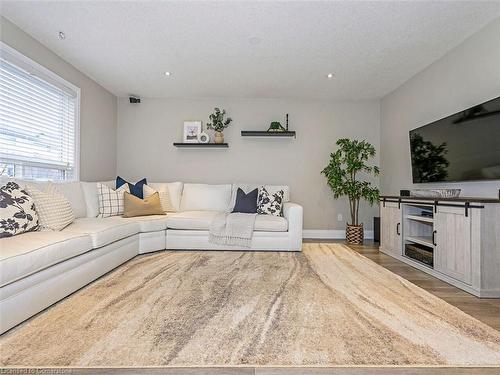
(191, 131)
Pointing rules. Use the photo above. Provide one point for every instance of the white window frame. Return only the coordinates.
(34, 68)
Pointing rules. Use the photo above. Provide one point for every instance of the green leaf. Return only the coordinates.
(217, 121)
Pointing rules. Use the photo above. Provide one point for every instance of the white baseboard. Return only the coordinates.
(331, 234)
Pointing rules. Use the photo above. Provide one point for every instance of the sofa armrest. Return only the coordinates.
(293, 212)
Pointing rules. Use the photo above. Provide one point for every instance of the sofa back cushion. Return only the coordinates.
(91, 199)
(203, 197)
(271, 189)
(174, 191)
(71, 190)
(91, 196)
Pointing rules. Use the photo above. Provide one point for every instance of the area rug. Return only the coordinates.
(327, 305)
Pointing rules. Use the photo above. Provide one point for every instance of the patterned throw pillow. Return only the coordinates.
(111, 201)
(54, 210)
(268, 204)
(17, 211)
(165, 200)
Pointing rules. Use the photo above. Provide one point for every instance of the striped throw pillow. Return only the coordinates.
(111, 201)
(53, 209)
(164, 193)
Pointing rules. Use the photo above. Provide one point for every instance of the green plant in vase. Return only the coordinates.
(343, 175)
(276, 127)
(218, 123)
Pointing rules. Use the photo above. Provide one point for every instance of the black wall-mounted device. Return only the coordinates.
(376, 229)
(134, 100)
(404, 193)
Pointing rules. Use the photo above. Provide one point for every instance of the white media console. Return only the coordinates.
(456, 240)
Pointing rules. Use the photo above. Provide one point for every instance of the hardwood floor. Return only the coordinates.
(487, 310)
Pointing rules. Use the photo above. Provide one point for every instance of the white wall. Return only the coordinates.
(97, 108)
(146, 132)
(467, 75)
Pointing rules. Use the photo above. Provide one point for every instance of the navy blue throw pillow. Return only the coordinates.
(246, 203)
(134, 189)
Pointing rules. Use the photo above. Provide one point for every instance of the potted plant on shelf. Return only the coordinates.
(343, 176)
(218, 124)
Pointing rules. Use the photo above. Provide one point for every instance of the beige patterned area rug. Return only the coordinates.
(325, 306)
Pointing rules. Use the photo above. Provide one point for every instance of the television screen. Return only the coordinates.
(461, 147)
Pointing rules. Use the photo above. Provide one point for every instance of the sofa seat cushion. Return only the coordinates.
(271, 223)
(192, 220)
(200, 220)
(104, 231)
(25, 254)
(150, 223)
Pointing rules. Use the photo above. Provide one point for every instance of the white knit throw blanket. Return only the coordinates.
(234, 229)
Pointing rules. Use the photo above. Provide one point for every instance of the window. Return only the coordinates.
(39, 121)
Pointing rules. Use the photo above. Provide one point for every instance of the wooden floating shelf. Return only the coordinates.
(265, 133)
(201, 145)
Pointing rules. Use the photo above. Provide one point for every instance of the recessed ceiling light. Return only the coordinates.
(254, 40)
(329, 75)
(167, 73)
(62, 36)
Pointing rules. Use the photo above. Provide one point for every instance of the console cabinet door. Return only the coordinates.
(390, 228)
(453, 250)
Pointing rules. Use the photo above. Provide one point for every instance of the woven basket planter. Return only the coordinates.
(354, 234)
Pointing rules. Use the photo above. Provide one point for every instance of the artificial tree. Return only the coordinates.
(343, 173)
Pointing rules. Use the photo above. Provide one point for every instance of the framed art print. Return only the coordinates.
(191, 131)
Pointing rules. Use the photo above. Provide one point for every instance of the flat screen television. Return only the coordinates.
(461, 147)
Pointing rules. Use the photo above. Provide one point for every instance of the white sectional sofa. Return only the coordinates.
(39, 268)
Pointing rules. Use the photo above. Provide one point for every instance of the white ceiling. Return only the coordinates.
(251, 49)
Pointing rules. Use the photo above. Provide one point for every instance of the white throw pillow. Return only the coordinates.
(203, 197)
(164, 194)
(111, 201)
(174, 190)
(53, 209)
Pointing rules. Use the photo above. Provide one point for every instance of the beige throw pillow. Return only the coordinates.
(54, 210)
(165, 200)
(134, 206)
